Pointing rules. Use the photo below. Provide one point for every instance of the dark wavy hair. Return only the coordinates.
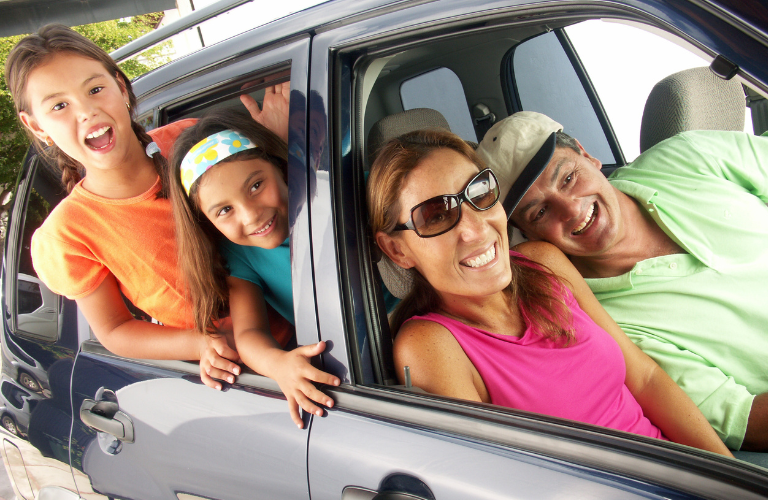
(538, 293)
(37, 49)
(197, 238)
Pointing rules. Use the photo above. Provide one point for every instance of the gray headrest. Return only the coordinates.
(398, 124)
(693, 99)
(399, 281)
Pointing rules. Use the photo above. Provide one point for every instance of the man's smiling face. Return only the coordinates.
(571, 205)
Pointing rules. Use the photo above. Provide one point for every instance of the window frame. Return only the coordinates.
(343, 52)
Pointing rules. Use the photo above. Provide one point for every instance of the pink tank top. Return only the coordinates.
(583, 381)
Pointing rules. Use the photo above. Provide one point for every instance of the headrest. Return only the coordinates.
(398, 124)
(693, 99)
(399, 281)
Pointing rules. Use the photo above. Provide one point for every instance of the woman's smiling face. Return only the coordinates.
(471, 259)
(247, 200)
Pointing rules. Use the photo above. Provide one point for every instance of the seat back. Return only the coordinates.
(693, 99)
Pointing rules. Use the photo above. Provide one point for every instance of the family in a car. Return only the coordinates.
(517, 327)
(672, 245)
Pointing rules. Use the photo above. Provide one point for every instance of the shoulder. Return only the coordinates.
(67, 214)
(421, 331)
(543, 253)
(231, 250)
(553, 259)
(423, 336)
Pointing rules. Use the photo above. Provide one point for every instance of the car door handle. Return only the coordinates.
(355, 493)
(105, 416)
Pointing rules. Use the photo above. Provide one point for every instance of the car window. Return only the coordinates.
(37, 307)
(623, 62)
(441, 90)
(540, 71)
(30, 297)
(545, 81)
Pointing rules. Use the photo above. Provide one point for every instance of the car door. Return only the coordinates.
(389, 440)
(151, 430)
(39, 345)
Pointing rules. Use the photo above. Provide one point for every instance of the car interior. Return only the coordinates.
(467, 81)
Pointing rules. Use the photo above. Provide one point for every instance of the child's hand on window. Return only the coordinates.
(218, 361)
(294, 374)
(274, 113)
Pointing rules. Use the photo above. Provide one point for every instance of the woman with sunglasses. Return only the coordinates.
(518, 328)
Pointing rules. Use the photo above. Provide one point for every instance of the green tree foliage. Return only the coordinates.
(109, 35)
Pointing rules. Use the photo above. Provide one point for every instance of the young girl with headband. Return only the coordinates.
(230, 200)
(114, 232)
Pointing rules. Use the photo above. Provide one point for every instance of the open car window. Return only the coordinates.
(502, 69)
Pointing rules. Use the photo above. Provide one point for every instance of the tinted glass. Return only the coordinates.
(546, 82)
(441, 90)
(37, 307)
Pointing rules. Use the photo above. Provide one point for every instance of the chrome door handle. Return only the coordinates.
(105, 416)
(356, 493)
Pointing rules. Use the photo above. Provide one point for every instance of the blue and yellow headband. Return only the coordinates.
(209, 152)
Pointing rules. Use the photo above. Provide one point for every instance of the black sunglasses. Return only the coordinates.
(440, 214)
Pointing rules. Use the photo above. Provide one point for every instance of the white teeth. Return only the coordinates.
(98, 133)
(482, 260)
(586, 221)
(265, 227)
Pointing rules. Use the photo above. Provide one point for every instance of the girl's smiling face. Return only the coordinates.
(74, 101)
(247, 200)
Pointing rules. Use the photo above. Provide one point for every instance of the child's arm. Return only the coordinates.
(290, 369)
(123, 335)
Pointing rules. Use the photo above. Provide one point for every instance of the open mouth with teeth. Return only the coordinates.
(266, 227)
(481, 260)
(99, 139)
(588, 220)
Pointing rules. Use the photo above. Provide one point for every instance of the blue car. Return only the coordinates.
(360, 71)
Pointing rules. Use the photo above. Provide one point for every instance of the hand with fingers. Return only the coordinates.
(295, 375)
(218, 361)
(273, 113)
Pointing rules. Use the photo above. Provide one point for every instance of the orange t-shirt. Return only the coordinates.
(87, 236)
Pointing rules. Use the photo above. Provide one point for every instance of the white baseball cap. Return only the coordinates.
(518, 149)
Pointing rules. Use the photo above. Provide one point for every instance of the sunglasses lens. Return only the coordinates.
(435, 215)
(483, 191)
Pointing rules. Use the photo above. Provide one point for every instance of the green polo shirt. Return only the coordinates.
(703, 316)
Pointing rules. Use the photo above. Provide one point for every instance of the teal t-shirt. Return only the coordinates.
(269, 269)
(702, 315)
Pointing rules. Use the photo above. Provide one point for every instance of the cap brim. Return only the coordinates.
(528, 176)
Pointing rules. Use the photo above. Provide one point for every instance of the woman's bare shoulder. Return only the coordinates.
(420, 332)
(552, 258)
(542, 253)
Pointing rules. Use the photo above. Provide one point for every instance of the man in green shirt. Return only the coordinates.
(674, 245)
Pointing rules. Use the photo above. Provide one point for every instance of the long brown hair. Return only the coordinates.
(197, 238)
(537, 292)
(37, 49)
